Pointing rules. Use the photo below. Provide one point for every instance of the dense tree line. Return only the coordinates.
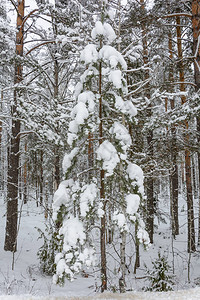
(112, 90)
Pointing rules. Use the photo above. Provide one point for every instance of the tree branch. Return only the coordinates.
(15, 6)
(37, 46)
(26, 18)
(177, 15)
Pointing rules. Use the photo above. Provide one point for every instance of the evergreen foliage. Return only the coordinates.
(48, 250)
(99, 143)
(160, 279)
(139, 109)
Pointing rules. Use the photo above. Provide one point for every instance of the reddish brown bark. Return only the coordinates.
(13, 159)
(190, 209)
(174, 173)
(196, 51)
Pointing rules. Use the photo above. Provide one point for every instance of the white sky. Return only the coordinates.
(31, 4)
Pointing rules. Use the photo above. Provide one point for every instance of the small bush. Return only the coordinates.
(48, 250)
(159, 277)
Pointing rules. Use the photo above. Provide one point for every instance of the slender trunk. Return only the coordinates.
(174, 173)
(191, 228)
(150, 206)
(122, 279)
(56, 168)
(46, 201)
(122, 283)
(149, 179)
(196, 48)
(1, 145)
(174, 194)
(102, 195)
(199, 200)
(190, 209)
(90, 155)
(25, 177)
(198, 130)
(37, 190)
(41, 179)
(110, 230)
(196, 51)
(56, 149)
(13, 167)
(194, 177)
(137, 248)
(90, 161)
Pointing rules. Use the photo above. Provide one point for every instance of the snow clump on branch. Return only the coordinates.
(104, 30)
(135, 173)
(99, 143)
(68, 158)
(108, 154)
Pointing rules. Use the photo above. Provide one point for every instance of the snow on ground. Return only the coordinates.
(26, 281)
(26, 278)
(192, 294)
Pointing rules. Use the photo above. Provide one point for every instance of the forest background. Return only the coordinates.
(40, 68)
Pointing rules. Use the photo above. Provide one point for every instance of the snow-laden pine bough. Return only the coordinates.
(97, 208)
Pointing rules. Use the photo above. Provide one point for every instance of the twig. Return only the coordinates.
(15, 6)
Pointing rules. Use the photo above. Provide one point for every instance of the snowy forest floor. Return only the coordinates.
(26, 279)
(191, 294)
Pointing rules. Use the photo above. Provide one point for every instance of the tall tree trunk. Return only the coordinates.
(102, 194)
(137, 249)
(13, 159)
(149, 179)
(56, 148)
(174, 173)
(56, 94)
(1, 145)
(25, 174)
(56, 168)
(196, 51)
(190, 209)
(41, 178)
(90, 155)
(122, 283)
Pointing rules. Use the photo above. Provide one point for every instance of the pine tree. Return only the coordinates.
(13, 159)
(196, 51)
(111, 182)
(46, 107)
(159, 278)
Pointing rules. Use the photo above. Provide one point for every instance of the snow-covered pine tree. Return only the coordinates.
(46, 107)
(6, 46)
(160, 278)
(103, 190)
(14, 153)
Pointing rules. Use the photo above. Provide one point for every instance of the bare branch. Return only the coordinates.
(37, 46)
(15, 6)
(28, 16)
(136, 90)
(177, 15)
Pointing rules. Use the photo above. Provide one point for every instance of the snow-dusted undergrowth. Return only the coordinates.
(27, 279)
(192, 294)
